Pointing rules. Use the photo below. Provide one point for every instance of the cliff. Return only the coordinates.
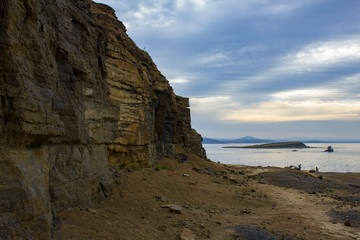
(77, 98)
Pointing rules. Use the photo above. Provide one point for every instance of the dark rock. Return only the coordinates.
(182, 157)
(162, 228)
(329, 149)
(162, 199)
(235, 181)
(197, 170)
(349, 218)
(210, 169)
(253, 233)
(306, 182)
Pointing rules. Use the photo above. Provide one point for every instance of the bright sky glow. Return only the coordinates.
(256, 67)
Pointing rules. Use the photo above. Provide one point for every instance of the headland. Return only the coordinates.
(293, 144)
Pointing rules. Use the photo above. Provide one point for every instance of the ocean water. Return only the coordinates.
(345, 158)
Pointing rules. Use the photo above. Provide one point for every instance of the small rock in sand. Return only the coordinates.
(175, 208)
(187, 234)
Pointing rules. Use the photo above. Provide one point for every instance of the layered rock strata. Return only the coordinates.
(77, 97)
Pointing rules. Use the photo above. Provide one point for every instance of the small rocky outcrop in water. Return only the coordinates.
(77, 96)
(329, 149)
(293, 144)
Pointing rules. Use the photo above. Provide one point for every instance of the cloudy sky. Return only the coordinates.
(264, 68)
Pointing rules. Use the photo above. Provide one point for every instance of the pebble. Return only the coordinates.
(165, 206)
(187, 234)
(175, 208)
(186, 175)
(162, 199)
(162, 228)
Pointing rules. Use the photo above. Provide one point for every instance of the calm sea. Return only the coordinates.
(345, 158)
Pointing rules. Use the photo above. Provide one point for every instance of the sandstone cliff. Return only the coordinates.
(77, 97)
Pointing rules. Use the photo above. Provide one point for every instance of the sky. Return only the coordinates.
(261, 68)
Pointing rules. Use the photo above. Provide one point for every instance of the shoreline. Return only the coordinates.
(343, 159)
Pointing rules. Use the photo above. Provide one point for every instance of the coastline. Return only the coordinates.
(221, 201)
(343, 159)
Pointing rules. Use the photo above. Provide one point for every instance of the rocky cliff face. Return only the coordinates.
(77, 97)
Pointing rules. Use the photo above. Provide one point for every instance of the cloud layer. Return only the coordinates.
(249, 63)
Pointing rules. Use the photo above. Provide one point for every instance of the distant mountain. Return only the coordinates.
(246, 139)
(273, 145)
(211, 141)
(249, 139)
(332, 141)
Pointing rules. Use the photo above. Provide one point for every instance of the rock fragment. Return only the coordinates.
(187, 234)
(175, 208)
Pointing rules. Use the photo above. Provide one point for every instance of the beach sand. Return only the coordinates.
(197, 199)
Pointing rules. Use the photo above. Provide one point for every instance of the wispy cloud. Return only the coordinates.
(301, 64)
(208, 104)
(338, 100)
(178, 81)
(324, 54)
(282, 111)
(192, 15)
(212, 58)
(254, 60)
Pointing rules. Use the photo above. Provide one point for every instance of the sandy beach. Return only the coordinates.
(197, 199)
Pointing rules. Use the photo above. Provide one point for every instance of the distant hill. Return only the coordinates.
(249, 139)
(211, 141)
(294, 144)
(332, 141)
(246, 139)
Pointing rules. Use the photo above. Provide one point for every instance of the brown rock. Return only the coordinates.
(187, 234)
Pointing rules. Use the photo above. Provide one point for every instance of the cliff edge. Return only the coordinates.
(77, 98)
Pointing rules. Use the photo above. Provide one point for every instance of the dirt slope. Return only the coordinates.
(219, 202)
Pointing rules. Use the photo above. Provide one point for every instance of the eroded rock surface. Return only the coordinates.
(77, 97)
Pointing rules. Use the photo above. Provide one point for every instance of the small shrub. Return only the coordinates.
(160, 167)
(122, 166)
